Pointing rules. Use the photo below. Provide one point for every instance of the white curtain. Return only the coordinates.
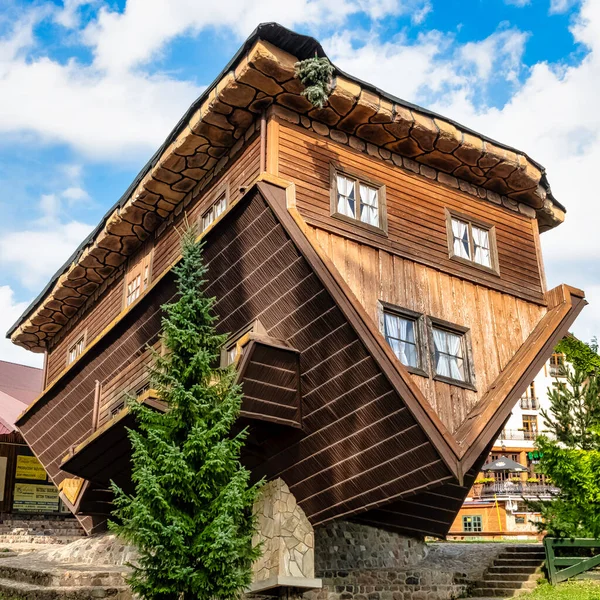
(346, 200)
(481, 244)
(369, 206)
(449, 361)
(460, 232)
(400, 335)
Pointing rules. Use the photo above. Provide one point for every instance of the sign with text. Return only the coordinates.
(32, 497)
(29, 467)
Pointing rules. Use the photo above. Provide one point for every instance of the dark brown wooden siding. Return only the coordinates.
(360, 446)
(415, 213)
(105, 306)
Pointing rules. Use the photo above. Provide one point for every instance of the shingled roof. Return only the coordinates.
(261, 74)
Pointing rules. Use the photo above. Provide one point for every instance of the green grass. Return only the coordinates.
(570, 590)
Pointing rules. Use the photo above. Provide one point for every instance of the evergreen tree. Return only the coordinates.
(190, 515)
(574, 414)
(315, 74)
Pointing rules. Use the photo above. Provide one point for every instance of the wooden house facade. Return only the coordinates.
(378, 267)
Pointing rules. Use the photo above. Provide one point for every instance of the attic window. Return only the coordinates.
(472, 241)
(357, 200)
(234, 347)
(76, 349)
(138, 276)
(215, 211)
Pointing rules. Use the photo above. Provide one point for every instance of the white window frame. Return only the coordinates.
(472, 223)
(358, 180)
(75, 350)
(214, 211)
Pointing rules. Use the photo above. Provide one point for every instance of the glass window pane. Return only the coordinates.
(207, 219)
(460, 233)
(346, 198)
(400, 335)
(220, 206)
(481, 246)
(449, 361)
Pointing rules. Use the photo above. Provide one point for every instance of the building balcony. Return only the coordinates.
(518, 434)
(529, 404)
(522, 489)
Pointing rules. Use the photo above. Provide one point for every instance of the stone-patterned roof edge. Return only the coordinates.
(215, 124)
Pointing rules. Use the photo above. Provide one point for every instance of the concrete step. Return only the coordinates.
(510, 576)
(18, 590)
(37, 539)
(525, 548)
(61, 575)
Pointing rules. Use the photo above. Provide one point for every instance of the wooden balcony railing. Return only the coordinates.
(521, 489)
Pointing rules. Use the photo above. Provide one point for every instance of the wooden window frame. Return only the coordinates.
(222, 192)
(334, 170)
(145, 258)
(465, 334)
(418, 319)
(238, 340)
(491, 229)
(473, 517)
(82, 337)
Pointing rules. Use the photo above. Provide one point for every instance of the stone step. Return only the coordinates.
(496, 593)
(514, 569)
(38, 539)
(518, 556)
(510, 576)
(521, 562)
(525, 548)
(507, 585)
(17, 590)
(61, 575)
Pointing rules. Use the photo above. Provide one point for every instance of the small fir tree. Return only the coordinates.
(315, 74)
(190, 515)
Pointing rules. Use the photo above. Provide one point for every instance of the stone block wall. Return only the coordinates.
(343, 545)
(287, 540)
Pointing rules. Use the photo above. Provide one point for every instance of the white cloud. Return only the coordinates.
(561, 6)
(519, 3)
(33, 255)
(69, 16)
(10, 311)
(75, 193)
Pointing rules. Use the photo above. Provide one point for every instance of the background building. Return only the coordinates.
(496, 504)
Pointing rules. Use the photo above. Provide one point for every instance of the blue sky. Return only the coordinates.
(89, 89)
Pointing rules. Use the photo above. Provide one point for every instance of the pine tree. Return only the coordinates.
(574, 414)
(315, 74)
(190, 515)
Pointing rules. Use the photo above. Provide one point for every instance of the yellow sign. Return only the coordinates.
(29, 467)
(32, 497)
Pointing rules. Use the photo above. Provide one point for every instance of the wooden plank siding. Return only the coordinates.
(416, 214)
(498, 322)
(108, 303)
(360, 446)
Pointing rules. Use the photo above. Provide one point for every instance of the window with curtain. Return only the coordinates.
(471, 242)
(76, 349)
(357, 199)
(401, 335)
(449, 354)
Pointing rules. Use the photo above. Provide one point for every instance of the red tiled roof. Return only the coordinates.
(20, 381)
(19, 387)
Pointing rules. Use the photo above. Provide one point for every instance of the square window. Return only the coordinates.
(357, 200)
(472, 523)
(400, 333)
(472, 241)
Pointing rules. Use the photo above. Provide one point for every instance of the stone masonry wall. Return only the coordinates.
(343, 545)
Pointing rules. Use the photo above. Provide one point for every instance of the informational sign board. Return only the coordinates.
(33, 497)
(3, 463)
(29, 467)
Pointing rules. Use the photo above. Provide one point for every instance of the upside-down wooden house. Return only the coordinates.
(377, 265)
